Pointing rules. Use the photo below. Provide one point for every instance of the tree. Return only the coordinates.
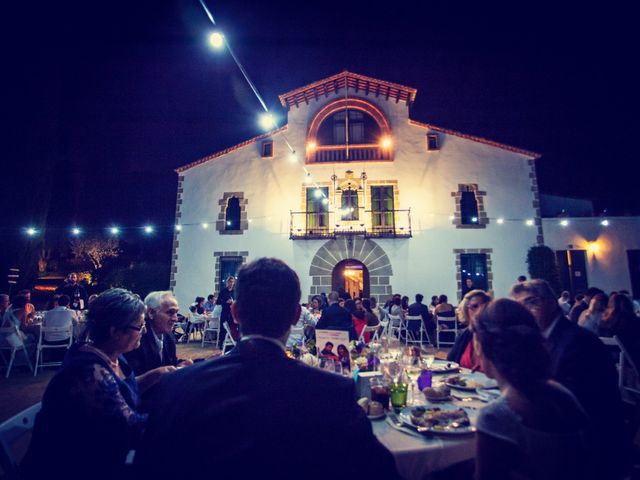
(95, 250)
(542, 264)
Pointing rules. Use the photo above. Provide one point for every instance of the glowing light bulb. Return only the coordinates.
(216, 39)
(386, 142)
(317, 193)
(31, 231)
(148, 229)
(205, 225)
(604, 223)
(178, 228)
(114, 230)
(564, 223)
(529, 223)
(311, 146)
(267, 122)
(76, 231)
(474, 219)
(500, 221)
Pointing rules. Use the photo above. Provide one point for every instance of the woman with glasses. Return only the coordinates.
(90, 417)
(473, 303)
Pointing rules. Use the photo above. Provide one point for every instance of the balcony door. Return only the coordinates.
(317, 208)
(382, 214)
(352, 276)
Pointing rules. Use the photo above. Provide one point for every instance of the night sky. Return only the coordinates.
(103, 100)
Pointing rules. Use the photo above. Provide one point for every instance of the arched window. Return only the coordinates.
(468, 207)
(360, 127)
(349, 204)
(232, 214)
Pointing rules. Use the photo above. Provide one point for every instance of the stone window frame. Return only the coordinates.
(536, 201)
(262, 149)
(176, 239)
(218, 256)
(244, 222)
(396, 197)
(483, 219)
(459, 251)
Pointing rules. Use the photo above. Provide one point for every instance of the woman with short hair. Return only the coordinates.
(536, 429)
(90, 416)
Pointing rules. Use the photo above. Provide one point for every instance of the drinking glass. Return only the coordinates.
(399, 395)
(428, 360)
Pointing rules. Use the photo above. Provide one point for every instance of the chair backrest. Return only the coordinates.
(413, 318)
(213, 323)
(395, 320)
(10, 338)
(229, 336)
(62, 332)
(12, 433)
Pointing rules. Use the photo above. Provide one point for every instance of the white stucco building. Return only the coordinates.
(372, 201)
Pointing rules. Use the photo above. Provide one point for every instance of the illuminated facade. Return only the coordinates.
(371, 201)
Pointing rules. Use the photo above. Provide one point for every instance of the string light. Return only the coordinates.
(216, 39)
(31, 231)
(267, 121)
(178, 228)
(148, 229)
(604, 223)
(114, 230)
(529, 222)
(75, 231)
(500, 221)
(564, 223)
(205, 225)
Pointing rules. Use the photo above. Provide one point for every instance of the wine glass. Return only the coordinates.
(428, 360)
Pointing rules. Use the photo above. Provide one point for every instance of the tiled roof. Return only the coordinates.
(354, 81)
(476, 139)
(230, 149)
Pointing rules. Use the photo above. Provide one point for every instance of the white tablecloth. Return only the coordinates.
(418, 456)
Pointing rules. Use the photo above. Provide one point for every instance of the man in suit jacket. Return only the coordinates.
(580, 362)
(334, 317)
(255, 413)
(157, 345)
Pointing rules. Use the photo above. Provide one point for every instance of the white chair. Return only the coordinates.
(12, 432)
(55, 332)
(296, 335)
(194, 323)
(371, 329)
(627, 365)
(211, 327)
(11, 340)
(395, 326)
(228, 339)
(416, 335)
(447, 326)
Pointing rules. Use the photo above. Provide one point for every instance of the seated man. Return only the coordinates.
(335, 317)
(420, 309)
(157, 345)
(580, 362)
(245, 414)
(59, 316)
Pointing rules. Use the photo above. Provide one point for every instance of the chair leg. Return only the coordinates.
(38, 358)
(13, 356)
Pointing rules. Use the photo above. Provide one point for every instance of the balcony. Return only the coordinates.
(354, 153)
(370, 224)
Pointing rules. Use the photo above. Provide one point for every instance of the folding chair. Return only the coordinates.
(212, 326)
(627, 363)
(11, 339)
(413, 336)
(395, 326)
(13, 434)
(371, 329)
(228, 339)
(55, 331)
(449, 327)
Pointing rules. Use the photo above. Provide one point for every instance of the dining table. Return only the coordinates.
(419, 455)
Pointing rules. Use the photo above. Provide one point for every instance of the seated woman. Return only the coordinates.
(462, 352)
(444, 308)
(591, 318)
(357, 316)
(536, 429)
(90, 416)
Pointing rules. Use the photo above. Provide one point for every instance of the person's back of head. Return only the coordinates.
(579, 298)
(64, 301)
(333, 297)
(350, 306)
(591, 291)
(599, 303)
(366, 304)
(53, 301)
(397, 301)
(211, 297)
(267, 297)
(419, 298)
(522, 278)
(564, 295)
(442, 299)
(18, 302)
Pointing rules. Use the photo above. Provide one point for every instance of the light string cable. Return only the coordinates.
(258, 96)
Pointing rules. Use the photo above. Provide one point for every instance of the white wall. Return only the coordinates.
(607, 263)
(424, 263)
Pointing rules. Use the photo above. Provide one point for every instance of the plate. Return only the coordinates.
(488, 395)
(473, 383)
(377, 417)
(439, 399)
(441, 366)
(440, 429)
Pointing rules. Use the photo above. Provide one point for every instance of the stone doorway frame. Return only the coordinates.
(361, 249)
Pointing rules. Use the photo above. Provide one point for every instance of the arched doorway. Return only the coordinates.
(352, 276)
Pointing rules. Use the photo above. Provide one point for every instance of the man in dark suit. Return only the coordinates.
(157, 346)
(420, 309)
(334, 317)
(255, 413)
(580, 362)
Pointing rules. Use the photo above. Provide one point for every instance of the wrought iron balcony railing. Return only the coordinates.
(368, 223)
(356, 153)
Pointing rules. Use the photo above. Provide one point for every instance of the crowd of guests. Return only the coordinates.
(123, 388)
